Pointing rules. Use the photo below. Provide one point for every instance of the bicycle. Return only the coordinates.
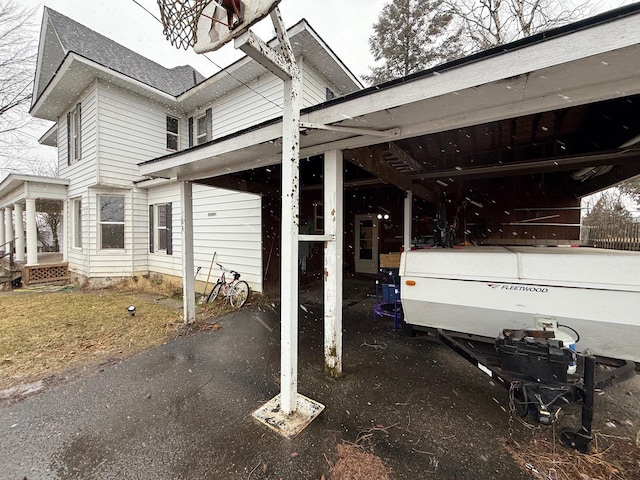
(236, 291)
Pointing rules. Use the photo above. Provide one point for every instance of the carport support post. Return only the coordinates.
(289, 249)
(334, 223)
(188, 281)
(408, 214)
(278, 412)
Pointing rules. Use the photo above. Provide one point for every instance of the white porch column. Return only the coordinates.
(408, 215)
(188, 281)
(32, 232)
(3, 238)
(17, 207)
(333, 225)
(289, 248)
(8, 225)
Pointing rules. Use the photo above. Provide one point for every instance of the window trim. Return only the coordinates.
(200, 138)
(76, 223)
(156, 231)
(175, 134)
(74, 134)
(101, 223)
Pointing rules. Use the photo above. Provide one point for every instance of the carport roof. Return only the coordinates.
(562, 100)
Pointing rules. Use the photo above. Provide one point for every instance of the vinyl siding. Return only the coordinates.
(315, 87)
(77, 257)
(245, 107)
(225, 222)
(132, 130)
(140, 229)
(82, 173)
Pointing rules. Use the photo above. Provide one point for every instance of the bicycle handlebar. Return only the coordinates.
(232, 272)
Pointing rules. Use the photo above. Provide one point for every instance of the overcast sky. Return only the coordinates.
(346, 31)
(344, 25)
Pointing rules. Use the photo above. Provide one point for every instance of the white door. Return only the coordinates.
(366, 245)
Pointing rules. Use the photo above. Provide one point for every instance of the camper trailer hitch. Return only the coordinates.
(549, 386)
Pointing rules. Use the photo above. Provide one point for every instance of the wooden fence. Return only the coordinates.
(614, 237)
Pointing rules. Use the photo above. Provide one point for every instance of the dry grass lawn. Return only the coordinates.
(45, 333)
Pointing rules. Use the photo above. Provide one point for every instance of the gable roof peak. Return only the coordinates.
(72, 36)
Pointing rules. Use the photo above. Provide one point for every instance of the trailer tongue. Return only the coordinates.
(521, 314)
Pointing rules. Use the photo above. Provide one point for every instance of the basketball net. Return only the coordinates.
(180, 20)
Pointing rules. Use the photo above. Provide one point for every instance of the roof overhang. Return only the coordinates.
(50, 137)
(17, 188)
(75, 74)
(570, 69)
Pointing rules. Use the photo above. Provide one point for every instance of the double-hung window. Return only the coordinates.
(111, 217)
(76, 223)
(160, 231)
(173, 133)
(74, 134)
(201, 129)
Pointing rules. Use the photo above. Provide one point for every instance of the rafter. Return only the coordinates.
(371, 159)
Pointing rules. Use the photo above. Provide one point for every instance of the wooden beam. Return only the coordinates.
(547, 165)
(370, 159)
(405, 157)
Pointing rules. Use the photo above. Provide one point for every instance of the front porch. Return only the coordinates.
(32, 215)
(50, 268)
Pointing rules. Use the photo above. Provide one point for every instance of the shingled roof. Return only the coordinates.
(75, 37)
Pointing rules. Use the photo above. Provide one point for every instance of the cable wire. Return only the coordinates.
(223, 69)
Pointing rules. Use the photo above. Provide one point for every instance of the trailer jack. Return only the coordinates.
(539, 393)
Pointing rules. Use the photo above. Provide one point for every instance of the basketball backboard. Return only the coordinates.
(213, 29)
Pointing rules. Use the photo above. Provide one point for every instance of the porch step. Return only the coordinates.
(9, 276)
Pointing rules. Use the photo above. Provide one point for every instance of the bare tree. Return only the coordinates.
(17, 62)
(489, 23)
(19, 132)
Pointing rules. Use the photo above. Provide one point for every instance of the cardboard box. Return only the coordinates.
(390, 260)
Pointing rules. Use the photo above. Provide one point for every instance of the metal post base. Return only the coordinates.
(576, 440)
(271, 415)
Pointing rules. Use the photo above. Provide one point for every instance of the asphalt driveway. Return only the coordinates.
(183, 410)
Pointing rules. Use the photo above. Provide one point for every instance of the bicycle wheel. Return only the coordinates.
(239, 294)
(214, 293)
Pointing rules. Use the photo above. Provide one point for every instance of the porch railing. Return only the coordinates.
(613, 237)
(4, 252)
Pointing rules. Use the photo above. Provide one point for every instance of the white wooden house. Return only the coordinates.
(113, 110)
